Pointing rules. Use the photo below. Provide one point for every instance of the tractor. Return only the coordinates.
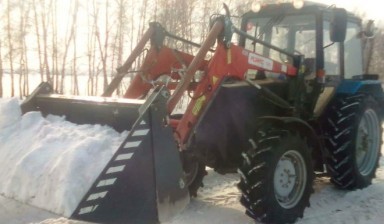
(281, 99)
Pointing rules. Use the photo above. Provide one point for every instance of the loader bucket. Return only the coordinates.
(143, 181)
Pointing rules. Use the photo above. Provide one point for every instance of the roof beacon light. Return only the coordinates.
(256, 6)
(298, 4)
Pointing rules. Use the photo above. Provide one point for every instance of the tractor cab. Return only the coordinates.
(327, 37)
(326, 34)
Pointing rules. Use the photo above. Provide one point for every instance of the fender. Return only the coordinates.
(293, 123)
(372, 87)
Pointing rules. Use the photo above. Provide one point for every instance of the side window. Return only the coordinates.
(255, 29)
(352, 52)
(331, 53)
(305, 43)
(279, 38)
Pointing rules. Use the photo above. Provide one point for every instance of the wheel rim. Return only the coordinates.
(367, 142)
(290, 178)
(190, 171)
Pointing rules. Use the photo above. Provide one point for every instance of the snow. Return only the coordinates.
(60, 160)
(48, 162)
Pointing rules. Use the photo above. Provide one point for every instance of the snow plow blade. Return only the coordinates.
(143, 182)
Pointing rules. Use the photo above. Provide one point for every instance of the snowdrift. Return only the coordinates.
(48, 162)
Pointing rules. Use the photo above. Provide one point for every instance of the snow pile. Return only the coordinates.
(48, 162)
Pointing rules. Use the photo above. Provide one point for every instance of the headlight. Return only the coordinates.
(256, 6)
(298, 4)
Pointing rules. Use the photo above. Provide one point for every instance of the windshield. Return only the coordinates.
(293, 33)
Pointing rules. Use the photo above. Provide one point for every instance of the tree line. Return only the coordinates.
(62, 41)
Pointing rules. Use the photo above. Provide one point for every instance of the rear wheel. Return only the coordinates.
(276, 176)
(353, 140)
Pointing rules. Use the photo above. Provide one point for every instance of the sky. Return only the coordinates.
(371, 8)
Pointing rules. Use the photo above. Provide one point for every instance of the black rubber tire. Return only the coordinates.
(257, 174)
(194, 172)
(341, 126)
(197, 182)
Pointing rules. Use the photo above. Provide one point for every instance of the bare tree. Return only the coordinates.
(23, 56)
(54, 53)
(91, 39)
(132, 29)
(103, 48)
(44, 24)
(10, 47)
(68, 41)
(37, 30)
(75, 83)
(1, 71)
(376, 65)
(118, 44)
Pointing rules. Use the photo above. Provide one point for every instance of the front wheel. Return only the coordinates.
(194, 172)
(276, 176)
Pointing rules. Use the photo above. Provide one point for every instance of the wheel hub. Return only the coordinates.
(290, 178)
(286, 177)
(367, 142)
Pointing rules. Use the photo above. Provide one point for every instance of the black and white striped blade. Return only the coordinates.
(142, 183)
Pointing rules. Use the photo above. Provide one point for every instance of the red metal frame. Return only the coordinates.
(227, 61)
(157, 63)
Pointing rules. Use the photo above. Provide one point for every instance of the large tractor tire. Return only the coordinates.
(353, 132)
(194, 170)
(194, 173)
(276, 176)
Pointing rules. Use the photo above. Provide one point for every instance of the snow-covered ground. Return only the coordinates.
(48, 142)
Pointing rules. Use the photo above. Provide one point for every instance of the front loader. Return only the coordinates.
(288, 100)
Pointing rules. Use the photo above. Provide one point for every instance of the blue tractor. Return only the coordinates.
(338, 101)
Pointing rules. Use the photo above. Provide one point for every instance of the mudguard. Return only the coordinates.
(354, 86)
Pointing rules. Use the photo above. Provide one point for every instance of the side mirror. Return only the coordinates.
(369, 30)
(338, 25)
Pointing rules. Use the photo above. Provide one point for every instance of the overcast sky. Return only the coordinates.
(373, 9)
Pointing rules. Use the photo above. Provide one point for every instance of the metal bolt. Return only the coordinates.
(165, 94)
(181, 183)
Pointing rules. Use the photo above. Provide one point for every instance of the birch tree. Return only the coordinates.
(10, 46)
(69, 38)
(1, 71)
